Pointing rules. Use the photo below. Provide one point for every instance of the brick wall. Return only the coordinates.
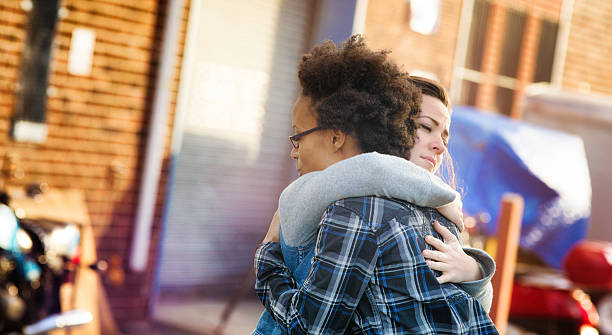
(388, 27)
(491, 59)
(589, 48)
(587, 64)
(96, 124)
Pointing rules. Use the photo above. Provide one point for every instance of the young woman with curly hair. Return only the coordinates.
(360, 267)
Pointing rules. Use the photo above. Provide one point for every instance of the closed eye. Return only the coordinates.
(428, 128)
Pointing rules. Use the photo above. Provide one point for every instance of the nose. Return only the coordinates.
(437, 145)
(294, 153)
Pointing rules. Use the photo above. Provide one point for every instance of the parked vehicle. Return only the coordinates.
(546, 302)
(589, 265)
(36, 258)
(555, 289)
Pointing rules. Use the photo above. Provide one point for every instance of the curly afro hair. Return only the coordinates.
(361, 92)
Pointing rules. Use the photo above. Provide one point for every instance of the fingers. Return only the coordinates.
(273, 234)
(459, 203)
(436, 243)
(438, 266)
(442, 267)
(443, 279)
(434, 255)
(459, 223)
(444, 232)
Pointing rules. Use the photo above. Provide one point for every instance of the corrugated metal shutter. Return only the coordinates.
(234, 157)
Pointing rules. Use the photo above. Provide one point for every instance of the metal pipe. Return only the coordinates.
(359, 17)
(177, 136)
(155, 145)
(463, 36)
(565, 22)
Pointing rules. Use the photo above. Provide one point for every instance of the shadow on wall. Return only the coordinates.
(129, 292)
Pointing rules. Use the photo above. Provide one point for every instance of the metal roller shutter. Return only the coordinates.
(233, 159)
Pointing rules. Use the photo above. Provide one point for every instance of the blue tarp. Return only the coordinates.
(493, 155)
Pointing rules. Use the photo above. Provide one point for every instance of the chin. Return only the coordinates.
(425, 166)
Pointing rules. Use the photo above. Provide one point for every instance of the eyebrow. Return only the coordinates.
(432, 119)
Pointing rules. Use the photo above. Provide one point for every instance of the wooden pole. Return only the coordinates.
(509, 228)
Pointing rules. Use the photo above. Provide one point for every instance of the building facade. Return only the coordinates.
(487, 51)
(224, 141)
(96, 124)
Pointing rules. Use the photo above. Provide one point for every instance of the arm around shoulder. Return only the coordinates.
(340, 272)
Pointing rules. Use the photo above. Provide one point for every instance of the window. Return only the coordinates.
(30, 105)
(470, 76)
(425, 16)
(513, 38)
(478, 30)
(546, 51)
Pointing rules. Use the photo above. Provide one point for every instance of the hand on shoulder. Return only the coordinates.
(454, 212)
(449, 258)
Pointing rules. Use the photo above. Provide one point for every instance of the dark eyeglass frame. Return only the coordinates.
(294, 139)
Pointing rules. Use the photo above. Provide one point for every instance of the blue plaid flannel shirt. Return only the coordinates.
(368, 277)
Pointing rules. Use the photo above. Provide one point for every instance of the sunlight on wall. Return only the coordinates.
(228, 103)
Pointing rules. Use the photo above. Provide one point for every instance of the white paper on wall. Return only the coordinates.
(80, 56)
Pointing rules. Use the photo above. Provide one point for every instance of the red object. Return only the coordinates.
(552, 303)
(76, 257)
(589, 264)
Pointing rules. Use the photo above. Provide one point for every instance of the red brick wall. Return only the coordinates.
(589, 48)
(494, 41)
(587, 64)
(96, 122)
(527, 63)
(388, 27)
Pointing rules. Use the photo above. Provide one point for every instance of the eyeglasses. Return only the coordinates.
(296, 138)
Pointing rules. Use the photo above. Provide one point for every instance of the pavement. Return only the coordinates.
(202, 316)
(199, 316)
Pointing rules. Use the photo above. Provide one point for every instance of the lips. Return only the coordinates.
(430, 160)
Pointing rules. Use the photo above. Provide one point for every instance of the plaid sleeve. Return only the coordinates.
(344, 260)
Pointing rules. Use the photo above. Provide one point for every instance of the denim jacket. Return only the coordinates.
(297, 260)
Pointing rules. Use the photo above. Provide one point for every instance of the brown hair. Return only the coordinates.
(434, 89)
(431, 88)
